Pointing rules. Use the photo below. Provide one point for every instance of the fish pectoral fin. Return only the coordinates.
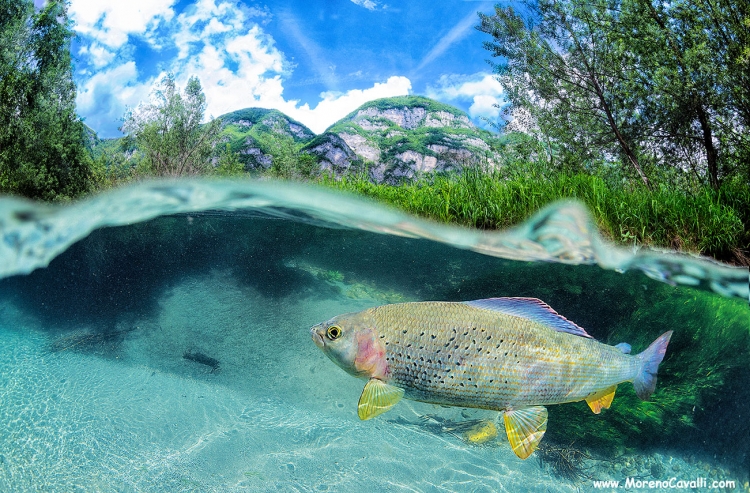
(602, 399)
(525, 428)
(377, 397)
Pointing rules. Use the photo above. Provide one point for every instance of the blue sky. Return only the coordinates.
(315, 60)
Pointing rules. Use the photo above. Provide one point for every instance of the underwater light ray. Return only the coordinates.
(32, 234)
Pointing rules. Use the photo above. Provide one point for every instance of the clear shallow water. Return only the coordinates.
(95, 394)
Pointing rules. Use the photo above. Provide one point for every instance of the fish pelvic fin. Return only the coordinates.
(377, 397)
(602, 399)
(525, 428)
(645, 381)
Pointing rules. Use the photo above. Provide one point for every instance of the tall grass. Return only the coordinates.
(706, 221)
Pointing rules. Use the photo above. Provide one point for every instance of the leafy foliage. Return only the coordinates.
(169, 132)
(287, 161)
(703, 374)
(42, 153)
(229, 163)
(631, 81)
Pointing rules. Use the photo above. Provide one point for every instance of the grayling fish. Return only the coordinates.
(514, 355)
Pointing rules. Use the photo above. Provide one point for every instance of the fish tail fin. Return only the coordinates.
(645, 382)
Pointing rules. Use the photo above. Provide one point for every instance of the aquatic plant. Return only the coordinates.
(707, 359)
(566, 461)
(330, 276)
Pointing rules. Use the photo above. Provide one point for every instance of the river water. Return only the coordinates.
(156, 338)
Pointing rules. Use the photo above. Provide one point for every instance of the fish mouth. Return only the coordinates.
(317, 338)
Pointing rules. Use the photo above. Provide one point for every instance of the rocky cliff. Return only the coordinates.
(394, 139)
(255, 133)
(390, 139)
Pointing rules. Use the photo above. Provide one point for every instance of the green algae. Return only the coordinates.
(705, 366)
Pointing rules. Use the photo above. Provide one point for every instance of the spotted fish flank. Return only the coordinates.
(514, 355)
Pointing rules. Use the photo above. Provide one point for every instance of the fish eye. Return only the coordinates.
(334, 332)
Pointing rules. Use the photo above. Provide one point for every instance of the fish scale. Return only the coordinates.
(489, 360)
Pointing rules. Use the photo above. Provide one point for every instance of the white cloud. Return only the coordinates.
(111, 22)
(482, 89)
(368, 4)
(236, 61)
(256, 80)
(104, 98)
(215, 27)
(335, 106)
(486, 106)
(98, 55)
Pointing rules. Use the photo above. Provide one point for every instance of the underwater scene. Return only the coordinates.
(158, 338)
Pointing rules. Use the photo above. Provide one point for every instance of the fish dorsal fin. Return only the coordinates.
(377, 397)
(533, 309)
(525, 428)
(602, 399)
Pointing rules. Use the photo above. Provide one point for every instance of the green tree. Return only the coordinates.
(169, 133)
(229, 163)
(287, 160)
(562, 70)
(693, 110)
(669, 83)
(42, 153)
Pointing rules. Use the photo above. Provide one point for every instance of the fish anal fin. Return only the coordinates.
(377, 397)
(602, 399)
(525, 428)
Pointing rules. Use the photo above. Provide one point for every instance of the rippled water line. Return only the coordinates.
(32, 234)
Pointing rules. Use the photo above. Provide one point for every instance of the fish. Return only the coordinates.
(513, 355)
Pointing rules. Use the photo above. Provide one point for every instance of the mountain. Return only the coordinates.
(254, 133)
(396, 138)
(391, 139)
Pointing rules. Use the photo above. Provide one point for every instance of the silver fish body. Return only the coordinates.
(457, 354)
(504, 354)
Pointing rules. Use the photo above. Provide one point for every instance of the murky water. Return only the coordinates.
(101, 389)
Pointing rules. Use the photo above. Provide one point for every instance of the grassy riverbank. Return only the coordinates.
(708, 222)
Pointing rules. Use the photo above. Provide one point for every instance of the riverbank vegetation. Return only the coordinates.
(714, 223)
